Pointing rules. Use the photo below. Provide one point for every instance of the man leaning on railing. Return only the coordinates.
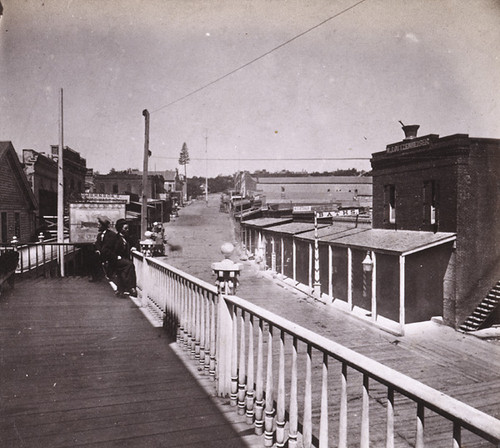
(124, 267)
(104, 257)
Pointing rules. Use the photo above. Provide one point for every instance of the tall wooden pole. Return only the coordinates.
(60, 190)
(206, 167)
(144, 206)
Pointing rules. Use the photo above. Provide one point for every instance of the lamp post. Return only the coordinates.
(226, 271)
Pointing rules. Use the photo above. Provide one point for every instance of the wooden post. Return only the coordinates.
(145, 281)
(349, 278)
(294, 421)
(457, 437)
(60, 191)
(213, 341)
(402, 282)
(317, 280)
(307, 425)
(234, 357)
(269, 419)
(365, 413)
(323, 426)
(330, 272)
(224, 350)
(419, 438)
(250, 376)
(390, 418)
(374, 287)
(294, 260)
(242, 368)
(259, 383)
(282, 256)
(144, 197)
(280, 401)
(343, 408)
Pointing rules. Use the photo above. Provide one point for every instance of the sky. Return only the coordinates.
(314, 85)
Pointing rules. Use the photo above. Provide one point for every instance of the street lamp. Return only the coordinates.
(367, 263)
(367, 271)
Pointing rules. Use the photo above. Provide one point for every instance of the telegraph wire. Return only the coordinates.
(229, 159)
(241, 67)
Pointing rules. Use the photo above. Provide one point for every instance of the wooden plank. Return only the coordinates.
(81, 367)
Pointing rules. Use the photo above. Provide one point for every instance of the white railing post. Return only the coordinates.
(145, 281)
(233, 398)
(343, 408)
(250, 376)
(280, 401)
(365, 413)
(307, 425)
(224, 347)
(294, 419)
(269, 411)
(323, 426)
(390, 418)
(213, 338)
(419, 438)
(457, 437)
(259, 383)
(202, 345)
(242, 373)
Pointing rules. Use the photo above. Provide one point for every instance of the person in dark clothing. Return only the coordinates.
(124, 267)
(104, 257)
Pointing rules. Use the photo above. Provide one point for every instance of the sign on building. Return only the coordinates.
(102, 197)
(83, 219)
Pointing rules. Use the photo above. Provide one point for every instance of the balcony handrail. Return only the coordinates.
(195, 309)
(469, 417)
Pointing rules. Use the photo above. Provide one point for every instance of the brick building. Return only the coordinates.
(17, 202)
(41, 171)
(448, 184)
(433, 248)
(128, 182)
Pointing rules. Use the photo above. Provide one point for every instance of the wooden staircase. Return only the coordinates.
(483, 311)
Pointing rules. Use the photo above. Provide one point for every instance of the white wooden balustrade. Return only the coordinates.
(296, 387)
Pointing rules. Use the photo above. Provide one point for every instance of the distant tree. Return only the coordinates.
(194, 186)
(184, 160)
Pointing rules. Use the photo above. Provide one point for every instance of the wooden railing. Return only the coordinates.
(42, 258)
(334, 395)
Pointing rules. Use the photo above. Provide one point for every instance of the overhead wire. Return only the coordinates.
(241, 67)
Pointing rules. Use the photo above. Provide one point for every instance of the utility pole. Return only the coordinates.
(60, 191)
(206, 167)
(144, 205)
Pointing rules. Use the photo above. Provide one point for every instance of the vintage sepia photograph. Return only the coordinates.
(255, 223)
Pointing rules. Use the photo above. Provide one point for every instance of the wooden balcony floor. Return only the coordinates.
(80, 367)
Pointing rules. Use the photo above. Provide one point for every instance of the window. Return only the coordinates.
(430, 202)
(392, 203)
(115, 188)
(3, 227)
(101, 189)
(17, 225)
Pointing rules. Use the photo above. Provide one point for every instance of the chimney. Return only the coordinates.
(410, 130)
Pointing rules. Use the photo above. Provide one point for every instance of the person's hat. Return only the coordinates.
(104, 220)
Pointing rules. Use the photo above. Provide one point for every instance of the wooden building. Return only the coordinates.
(17, 202)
